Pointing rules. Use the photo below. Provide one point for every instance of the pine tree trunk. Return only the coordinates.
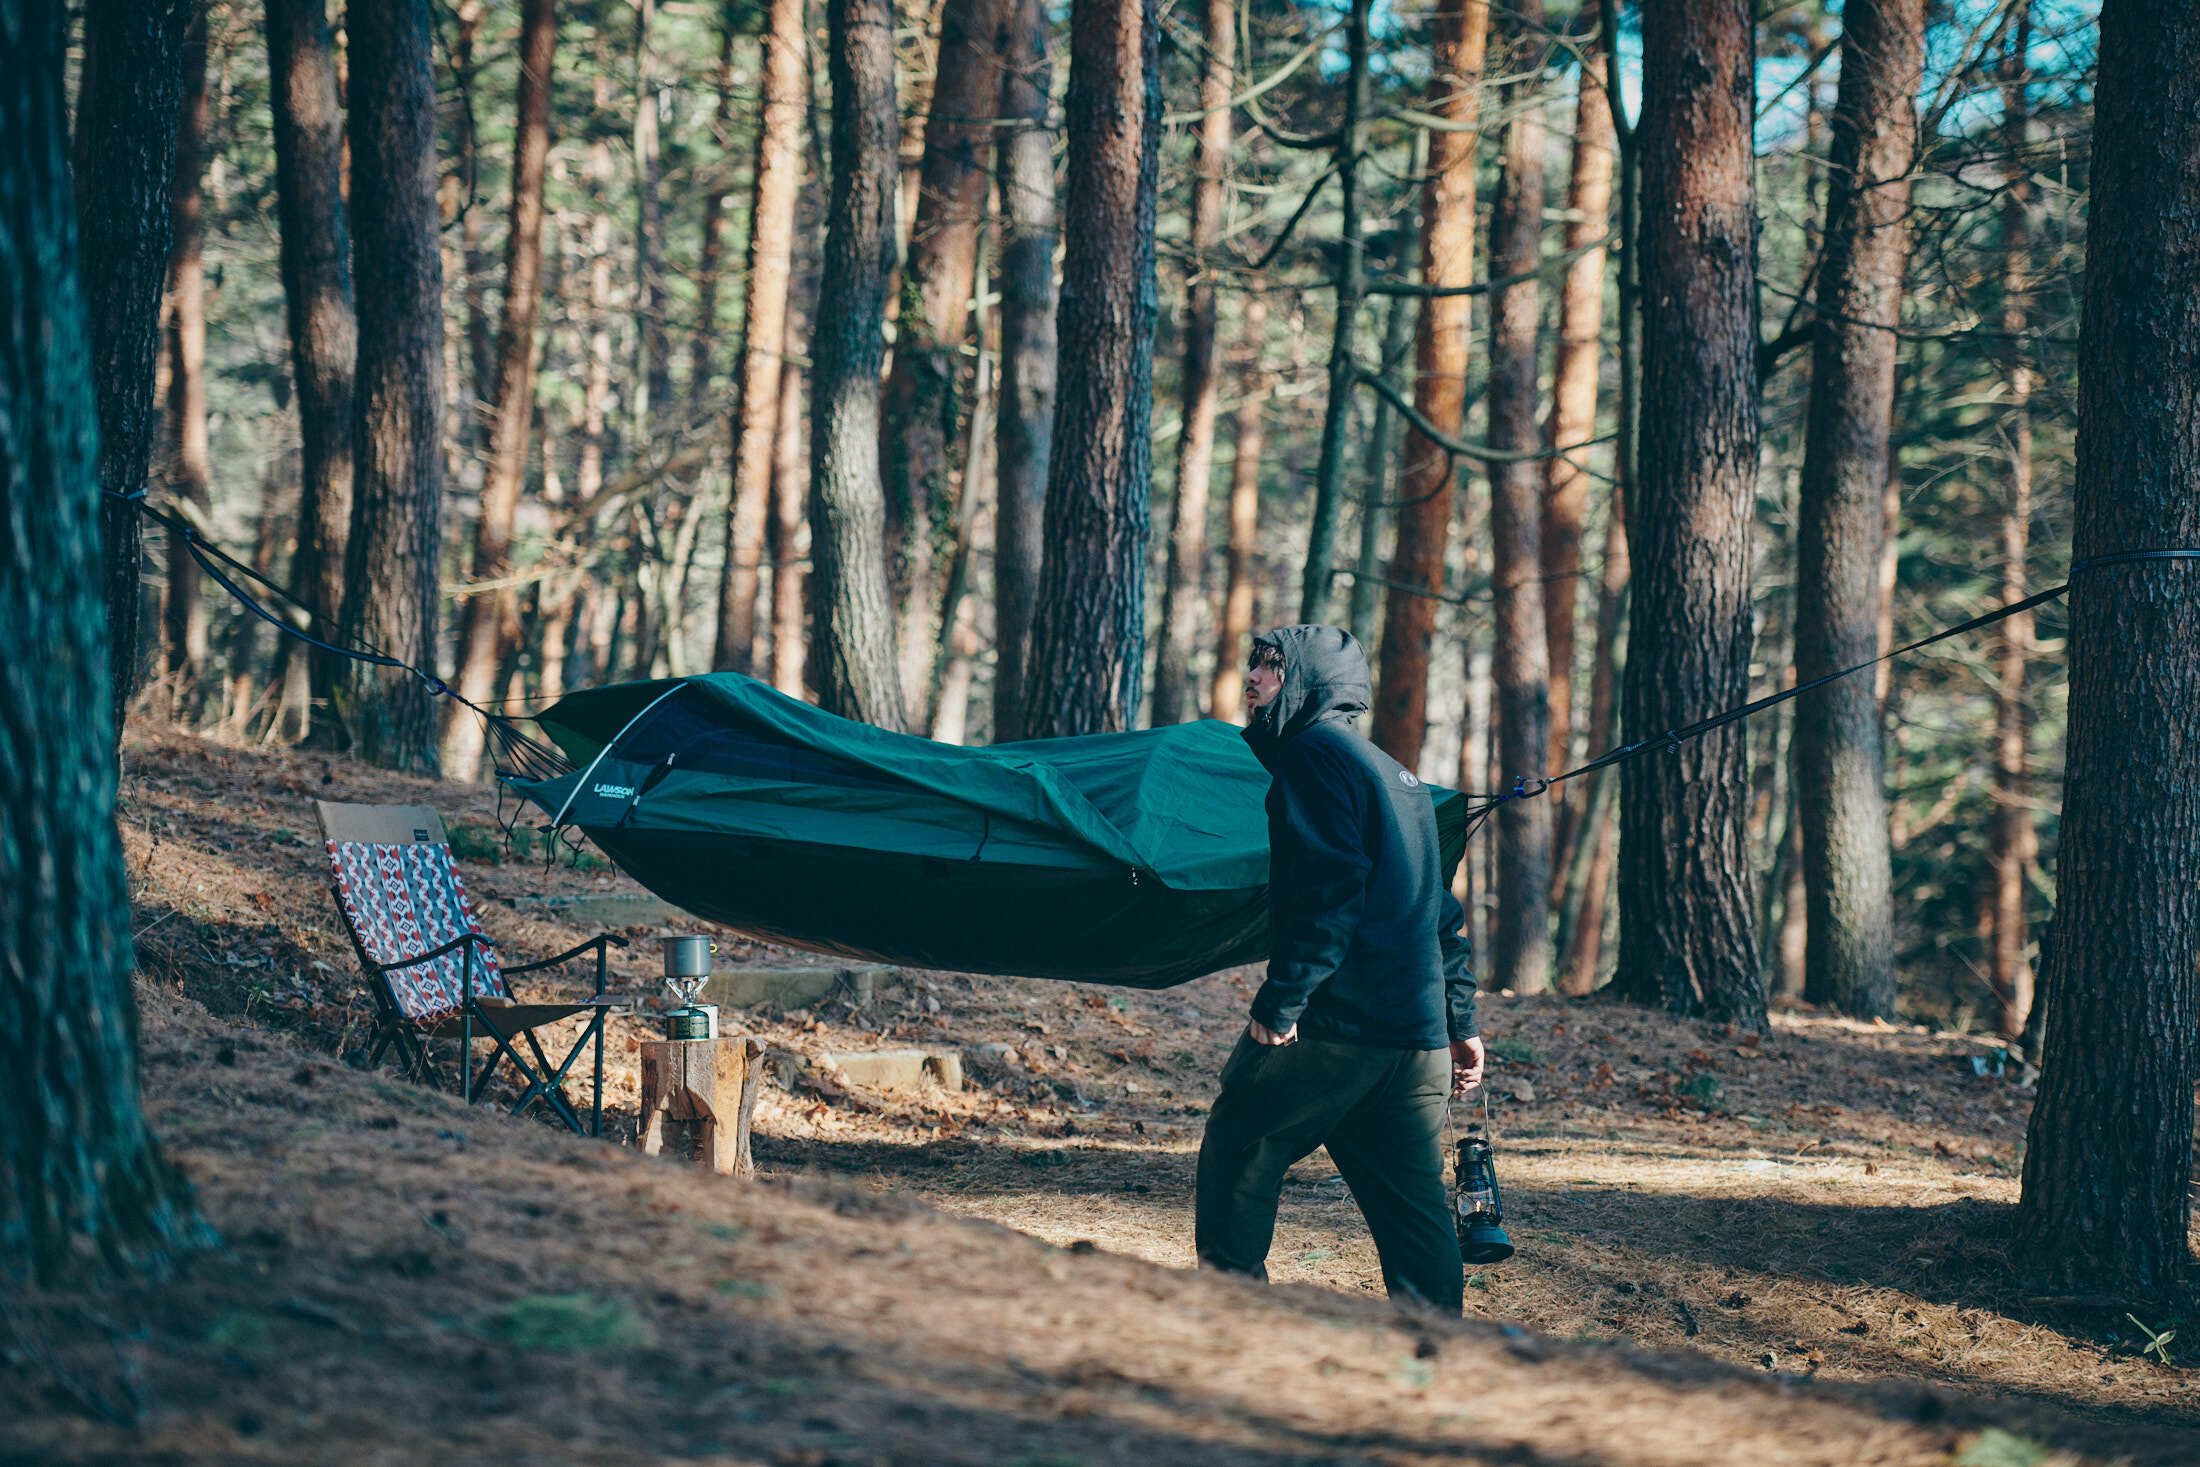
(1573, 416)
(764, 327)
(1234, 637)
(857, 673)
(1383, 438)
(1849, 958)
(190, 484)
(1183, 611)
(652, 385)
(1687, 926)
(2108, 1159)
(390, 571)
(1584, 954)
(1344, 364)
(790, 497)
(710, 259)
(1439, 383)
(1088, 635)
(81, 1181)
(953, 668)
(316, 267)
(922, 389)
(1025, 432)
(1520, 958)
(490, 619)
(128, 94)
(2013, 843)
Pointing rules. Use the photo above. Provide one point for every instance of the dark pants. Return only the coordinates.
(1379, 1111)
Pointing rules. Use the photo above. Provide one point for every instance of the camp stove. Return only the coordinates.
(687, 972)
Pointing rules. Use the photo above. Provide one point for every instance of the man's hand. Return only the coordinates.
(1262, 1034)
(1466, 1064)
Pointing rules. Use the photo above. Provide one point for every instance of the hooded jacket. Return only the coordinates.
(1365, 941)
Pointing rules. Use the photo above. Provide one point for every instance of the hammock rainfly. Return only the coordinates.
(1137, 859)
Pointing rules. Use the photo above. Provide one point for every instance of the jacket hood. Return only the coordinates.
(1325, 678)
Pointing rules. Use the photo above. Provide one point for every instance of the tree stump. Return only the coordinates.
(697, 1082)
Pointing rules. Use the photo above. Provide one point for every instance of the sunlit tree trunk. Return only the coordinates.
(1520, 958)
(1025, 431)
(1183, 609)
(1687, 924)
(1573, 416)
(124, 154)
(390, 573)
(190, 481)
(1350, 288)
(1440, 380)
(1234, 636)
(857, 675)
(922, 388)
(324, 342)
(1849, 956)
(489, 620)
(764, 327)
(81, 1182)
(2106, 1206)
(791, 497)
(651, 389)
(1380, 472)
(1598, 833)
(2013, 843)
(1088, 636)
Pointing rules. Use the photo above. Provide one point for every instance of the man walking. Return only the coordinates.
(1365, 1026)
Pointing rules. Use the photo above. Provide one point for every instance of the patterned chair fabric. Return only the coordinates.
(405, 900)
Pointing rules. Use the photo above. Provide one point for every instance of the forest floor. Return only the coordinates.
(1732, 1250)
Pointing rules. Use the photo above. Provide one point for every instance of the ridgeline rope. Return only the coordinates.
(513, 750)
(530, 758)
(1527, 787)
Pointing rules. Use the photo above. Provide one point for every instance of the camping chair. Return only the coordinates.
(433, 973)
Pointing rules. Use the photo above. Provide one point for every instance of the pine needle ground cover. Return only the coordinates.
(1786, 1251)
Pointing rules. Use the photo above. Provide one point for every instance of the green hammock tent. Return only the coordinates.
(1136, 859)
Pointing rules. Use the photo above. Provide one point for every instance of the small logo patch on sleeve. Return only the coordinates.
(1407, 778)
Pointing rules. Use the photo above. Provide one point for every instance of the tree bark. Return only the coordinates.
(1234, 639)
(764, 327)
(2013, 843)
(1440, 344)
(2108, 1159)
(857, 674)
(1175, 698)
(1584, 952)
(1687, 926)
(1520, 659)
(652, 385)
(490, 619)
(81, 1181)
(128, 94)
(1573, 416)
(324, 339)
(922, 400)
(790, 494)
(953, 664)
(1849, 954)
(1344, 363)
(1383, 439)
(1025, 431)
(1088, 637)
(710, 258)
(191, 474)
(390, 570)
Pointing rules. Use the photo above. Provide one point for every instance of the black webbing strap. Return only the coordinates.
(1527, 788)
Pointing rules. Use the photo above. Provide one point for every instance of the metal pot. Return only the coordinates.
(688, 957)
